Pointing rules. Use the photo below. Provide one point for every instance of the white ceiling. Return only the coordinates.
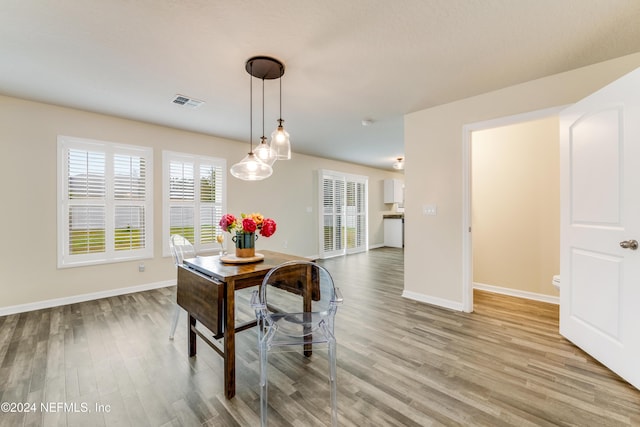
(346, 60)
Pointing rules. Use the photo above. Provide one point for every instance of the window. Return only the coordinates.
(344, 201)
(105, 207)
(193, 198)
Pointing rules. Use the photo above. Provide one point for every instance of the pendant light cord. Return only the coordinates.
(251, 110)
(281, 73)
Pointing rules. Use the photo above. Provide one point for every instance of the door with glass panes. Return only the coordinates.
(343, 222)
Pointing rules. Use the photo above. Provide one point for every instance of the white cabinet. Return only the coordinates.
(393, 229)
(393, 191)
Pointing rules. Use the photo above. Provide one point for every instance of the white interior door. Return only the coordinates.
(600, 208)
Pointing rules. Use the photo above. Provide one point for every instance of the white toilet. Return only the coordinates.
(556, 282)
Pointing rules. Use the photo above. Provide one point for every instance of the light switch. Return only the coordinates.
(430, 210)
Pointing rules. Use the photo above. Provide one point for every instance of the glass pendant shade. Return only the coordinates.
(251, 168)
(280, 142)
(265, 153)
(399, 164)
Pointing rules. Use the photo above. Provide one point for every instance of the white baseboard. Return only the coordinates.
(516, 293)
(440, 302)
(38, 305)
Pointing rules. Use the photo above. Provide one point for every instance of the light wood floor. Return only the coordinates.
(400, 363)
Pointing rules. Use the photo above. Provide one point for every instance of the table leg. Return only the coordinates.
(307, 304)
(229, 340)
(191, 324)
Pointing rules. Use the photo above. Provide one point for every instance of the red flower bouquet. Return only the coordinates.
(248, 223)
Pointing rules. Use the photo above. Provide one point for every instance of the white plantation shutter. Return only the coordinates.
(343, 198)
(194, 198)
(181, 219)
(181, 198)
(338, 209)
(130, 179)
(86, 225)
(86, 174)
(181, 180)
(211, 190)
(356, 215)
(130, 231)
(104, 202)
(85, 217)
(362, 202)
(130, 174)
(328, 215)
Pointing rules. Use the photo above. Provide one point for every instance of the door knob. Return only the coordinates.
(629, 244)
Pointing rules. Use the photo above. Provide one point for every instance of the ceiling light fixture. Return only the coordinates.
(251, 168)
(399, 164)
(257, 166)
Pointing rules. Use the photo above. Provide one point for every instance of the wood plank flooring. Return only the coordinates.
(400, 363)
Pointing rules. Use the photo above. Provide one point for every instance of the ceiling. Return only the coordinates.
(346, 60)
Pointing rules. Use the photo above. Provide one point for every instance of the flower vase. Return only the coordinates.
(245, 244)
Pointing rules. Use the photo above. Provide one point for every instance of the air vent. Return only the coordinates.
(187, 102)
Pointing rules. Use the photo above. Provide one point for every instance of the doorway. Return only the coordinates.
(509, 219)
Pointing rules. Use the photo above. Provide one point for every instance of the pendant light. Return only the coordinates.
(280, 137)
(264, 150)
(251, 168)
(257, 165)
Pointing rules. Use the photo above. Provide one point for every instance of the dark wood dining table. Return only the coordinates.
(206, 290)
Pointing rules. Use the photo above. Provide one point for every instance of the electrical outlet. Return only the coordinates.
(141, 267)
(285, 244)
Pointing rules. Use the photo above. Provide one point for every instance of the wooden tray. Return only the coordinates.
(233, 259)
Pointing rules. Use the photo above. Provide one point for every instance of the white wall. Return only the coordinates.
(434, 244)
(515, 207)
(28, 144)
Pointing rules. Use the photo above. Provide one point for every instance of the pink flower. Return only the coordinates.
(248, 225)
(228, 221)
(268, 227)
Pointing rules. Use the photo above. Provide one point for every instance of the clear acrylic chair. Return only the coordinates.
(181, 248)
(296, 306)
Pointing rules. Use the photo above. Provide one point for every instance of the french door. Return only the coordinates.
(343, 213)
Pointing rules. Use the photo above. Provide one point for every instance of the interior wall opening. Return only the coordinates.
(515, 208)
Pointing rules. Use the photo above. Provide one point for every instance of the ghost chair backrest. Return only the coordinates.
(296, 306)
(181, 248)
